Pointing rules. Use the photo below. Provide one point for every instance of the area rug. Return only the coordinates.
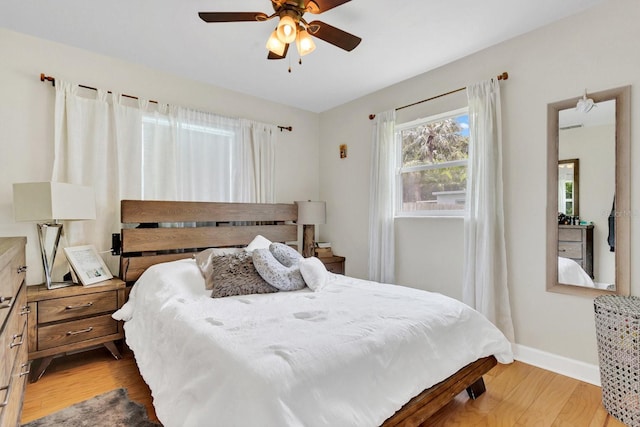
(111, 409)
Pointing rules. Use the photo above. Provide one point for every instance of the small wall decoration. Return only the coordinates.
(87, 264)
(343, 151)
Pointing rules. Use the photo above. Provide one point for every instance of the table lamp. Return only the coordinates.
(309, 214)
(47, 203)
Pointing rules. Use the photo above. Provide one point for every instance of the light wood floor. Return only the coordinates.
(517, 394)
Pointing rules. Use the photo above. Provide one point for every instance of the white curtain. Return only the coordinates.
(85, 153)
(254, 163)
(381, 209)
(485, 270)
(162, 152)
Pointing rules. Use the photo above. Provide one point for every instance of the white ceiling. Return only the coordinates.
(401, 39)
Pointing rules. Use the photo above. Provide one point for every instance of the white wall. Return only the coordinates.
(26, 120)
(594, 50)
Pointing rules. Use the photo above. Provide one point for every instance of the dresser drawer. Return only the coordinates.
(11, 277)
(570, 250)
(77, 306)
(11, 396)
(570, 234)
(74, 331)
(14, 357)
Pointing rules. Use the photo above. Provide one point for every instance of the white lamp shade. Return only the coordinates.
(46, 201)
(312, 212)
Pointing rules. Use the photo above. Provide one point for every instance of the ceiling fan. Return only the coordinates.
(292, 27)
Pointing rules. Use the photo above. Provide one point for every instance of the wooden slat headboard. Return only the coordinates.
(146, 242)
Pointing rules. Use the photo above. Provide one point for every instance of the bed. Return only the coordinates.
(352, 353)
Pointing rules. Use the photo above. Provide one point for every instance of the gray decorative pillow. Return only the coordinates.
(203, 261)
(276, 274)
(235, 275)
(285, 254)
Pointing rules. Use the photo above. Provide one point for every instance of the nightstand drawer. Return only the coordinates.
(334, 264)
(335, 267)
(75, 331)
(77, 306)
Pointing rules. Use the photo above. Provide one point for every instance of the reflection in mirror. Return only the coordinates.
(568, 189)
(588, 241)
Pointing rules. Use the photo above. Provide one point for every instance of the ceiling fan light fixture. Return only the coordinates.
(304, 43)
(275, 45)
(287, 29)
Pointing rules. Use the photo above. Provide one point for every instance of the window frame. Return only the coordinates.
(399, 170)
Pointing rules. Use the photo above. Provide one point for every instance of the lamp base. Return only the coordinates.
(57, 285)
(308, 240)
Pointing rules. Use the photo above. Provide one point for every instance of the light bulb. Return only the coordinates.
(304, 43)
(275, 45)
(287, 29)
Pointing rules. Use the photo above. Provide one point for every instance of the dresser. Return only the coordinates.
(14, 367)
(576, 242)
(73, 318)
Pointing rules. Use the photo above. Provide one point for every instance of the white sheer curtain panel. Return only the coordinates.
(381, 201)
(204, 147)
(128, 150)
(254, 163)
(128, 128)
(485, 270)
(85, 153)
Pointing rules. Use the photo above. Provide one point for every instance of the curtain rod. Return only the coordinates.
(51, 79)
(503, 76)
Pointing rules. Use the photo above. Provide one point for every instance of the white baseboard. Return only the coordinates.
(559, 364)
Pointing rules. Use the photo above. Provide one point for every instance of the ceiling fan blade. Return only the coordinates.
(232, 16)
(276, 56)
(333, 35)
(319, 6)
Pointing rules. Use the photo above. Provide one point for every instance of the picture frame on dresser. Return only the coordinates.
(87, 264)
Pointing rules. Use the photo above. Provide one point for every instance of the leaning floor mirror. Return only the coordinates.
(588, 194)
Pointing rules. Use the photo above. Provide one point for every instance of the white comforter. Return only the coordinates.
(570, 272)
(349, 355)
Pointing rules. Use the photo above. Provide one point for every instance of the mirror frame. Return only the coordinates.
(576, 183)
(622, 95)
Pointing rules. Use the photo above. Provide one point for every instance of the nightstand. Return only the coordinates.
(71, 319)
(334, 264)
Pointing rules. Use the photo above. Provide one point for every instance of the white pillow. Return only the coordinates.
(274, 273)
(314, 273)
(258, 242)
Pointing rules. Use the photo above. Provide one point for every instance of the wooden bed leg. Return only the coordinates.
(476, 389)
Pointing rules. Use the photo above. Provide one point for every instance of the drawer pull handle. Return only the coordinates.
(22, 269)
(25, 310)
(5, 402)
(81, 331)
(28, 371)
(15, 344)
(77, 307)
(5, 302)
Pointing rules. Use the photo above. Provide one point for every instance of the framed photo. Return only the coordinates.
(87, 264)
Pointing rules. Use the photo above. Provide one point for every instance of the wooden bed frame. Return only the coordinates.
(145, 242)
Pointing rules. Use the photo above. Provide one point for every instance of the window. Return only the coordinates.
(432, 165)
(190, 159)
